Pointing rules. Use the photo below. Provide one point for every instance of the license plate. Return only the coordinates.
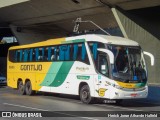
(134, 94)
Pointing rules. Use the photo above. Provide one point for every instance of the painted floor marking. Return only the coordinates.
(22, 106)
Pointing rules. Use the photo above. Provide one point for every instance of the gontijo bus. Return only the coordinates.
(91, 66)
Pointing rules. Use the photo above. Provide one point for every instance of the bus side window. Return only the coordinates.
(45, 54)
(16, 56)
(71, 52)
(80, 53)
(94, 49)
(12, 55)
(67, 53)
(85, 58)
(31, 55)
(79, 56)
(36, 54)
(25, 57)
(103, 67)
(83, 55)
(75, 51)
(41, 54)
(64, 52)
(21, 55)
(49, 53)
(54, 51)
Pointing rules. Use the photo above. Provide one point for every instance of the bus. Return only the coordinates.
(91, 66)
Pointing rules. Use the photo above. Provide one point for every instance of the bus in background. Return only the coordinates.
(91, 66)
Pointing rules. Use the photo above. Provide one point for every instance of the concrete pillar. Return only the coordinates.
(136, 29)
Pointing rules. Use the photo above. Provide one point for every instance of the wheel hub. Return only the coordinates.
(21, 87)
(85, 94)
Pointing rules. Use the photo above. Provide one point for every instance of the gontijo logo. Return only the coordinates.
(31, 67)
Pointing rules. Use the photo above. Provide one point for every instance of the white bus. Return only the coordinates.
(91, 66)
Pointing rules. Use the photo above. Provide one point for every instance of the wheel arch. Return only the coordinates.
(27, 80)
(19, 79)
(28, 92)
(81, 85)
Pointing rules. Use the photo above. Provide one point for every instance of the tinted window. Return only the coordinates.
(68, 52)
(93, 48)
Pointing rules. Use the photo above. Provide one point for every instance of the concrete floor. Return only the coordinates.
(10, 100)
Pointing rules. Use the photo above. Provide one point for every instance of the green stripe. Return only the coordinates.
(73, 41)
(51, 74)
(57, 74)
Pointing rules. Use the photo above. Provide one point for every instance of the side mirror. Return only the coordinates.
(110, 54)
(151, 57)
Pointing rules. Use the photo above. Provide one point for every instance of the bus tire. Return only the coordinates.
(28, 88)
(85, 94)
(21, 88)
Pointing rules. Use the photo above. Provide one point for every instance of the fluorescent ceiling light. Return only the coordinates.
(5, 3)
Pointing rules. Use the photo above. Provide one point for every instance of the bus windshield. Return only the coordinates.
(128, 64)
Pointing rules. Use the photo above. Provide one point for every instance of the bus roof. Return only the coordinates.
(105, 39)
(88, 37)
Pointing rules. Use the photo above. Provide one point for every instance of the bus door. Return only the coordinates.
(103, 73)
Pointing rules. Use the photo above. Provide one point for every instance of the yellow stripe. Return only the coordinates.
(127, 85)
(43, 43)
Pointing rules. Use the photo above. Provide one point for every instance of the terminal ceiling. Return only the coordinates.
(58, 15)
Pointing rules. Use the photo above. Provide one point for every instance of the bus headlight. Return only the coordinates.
(114, 85)
(117, 86)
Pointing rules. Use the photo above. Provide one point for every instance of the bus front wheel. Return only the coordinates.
(28, 87)
(85, 94)
(21, 88)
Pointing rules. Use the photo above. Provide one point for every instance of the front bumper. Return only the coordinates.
(129, 94)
